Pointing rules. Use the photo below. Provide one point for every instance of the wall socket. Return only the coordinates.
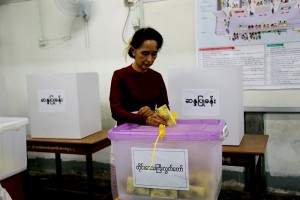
(42, 41)
(136, 23)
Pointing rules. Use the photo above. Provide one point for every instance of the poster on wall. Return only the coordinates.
(262, 36)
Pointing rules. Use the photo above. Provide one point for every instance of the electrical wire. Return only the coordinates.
(126, 22)
(69, 36)
(41, 19)
(86, 29)
(87, 34)
(12, 1)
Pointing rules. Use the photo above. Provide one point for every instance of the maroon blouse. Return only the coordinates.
(130, 90)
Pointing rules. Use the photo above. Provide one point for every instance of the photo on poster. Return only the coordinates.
(246, 22)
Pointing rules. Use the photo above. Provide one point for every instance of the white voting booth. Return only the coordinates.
(64, 105)
(209, 93)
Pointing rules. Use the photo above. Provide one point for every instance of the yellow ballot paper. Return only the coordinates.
(161, 193)
(136, 190)
(195, 192)
(164, 110)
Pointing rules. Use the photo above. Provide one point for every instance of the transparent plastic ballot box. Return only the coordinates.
(183, 161)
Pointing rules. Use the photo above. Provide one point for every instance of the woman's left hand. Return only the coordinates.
(156, 119)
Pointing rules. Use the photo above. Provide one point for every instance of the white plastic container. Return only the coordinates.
(13, 153)
(64, 105)
(187, 161)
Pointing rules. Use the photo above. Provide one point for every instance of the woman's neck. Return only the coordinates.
(138, 69)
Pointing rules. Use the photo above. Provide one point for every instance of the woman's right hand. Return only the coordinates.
(146, 111)
(156, 119)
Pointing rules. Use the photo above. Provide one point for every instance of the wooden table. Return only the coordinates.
(249, 154)
(86, 146)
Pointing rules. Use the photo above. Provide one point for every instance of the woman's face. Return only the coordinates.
(145, 55)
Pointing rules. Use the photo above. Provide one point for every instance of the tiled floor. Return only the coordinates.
(39, 188)
(240, 195)
(46, 187)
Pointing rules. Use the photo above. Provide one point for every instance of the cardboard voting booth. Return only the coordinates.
(186, 163)
(64, 105)
(13, 153)
(209, 93)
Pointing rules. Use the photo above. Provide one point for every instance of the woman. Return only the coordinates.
(137, 90)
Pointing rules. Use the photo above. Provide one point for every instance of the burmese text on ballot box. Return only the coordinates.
(183, 161)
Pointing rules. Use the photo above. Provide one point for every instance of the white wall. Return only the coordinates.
(95, 46)
(3, 94)
(21, 26)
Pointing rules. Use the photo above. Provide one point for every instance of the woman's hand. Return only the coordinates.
(156, 119)
(146, 111)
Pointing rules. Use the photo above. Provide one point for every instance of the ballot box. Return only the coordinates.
(183, 161)
(64, 105)
(13, 156)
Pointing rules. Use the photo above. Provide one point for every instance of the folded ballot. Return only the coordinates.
(164, 110)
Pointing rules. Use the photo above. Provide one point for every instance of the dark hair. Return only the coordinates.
(144, 34)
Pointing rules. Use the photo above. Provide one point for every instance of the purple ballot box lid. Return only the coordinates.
(184, 130)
